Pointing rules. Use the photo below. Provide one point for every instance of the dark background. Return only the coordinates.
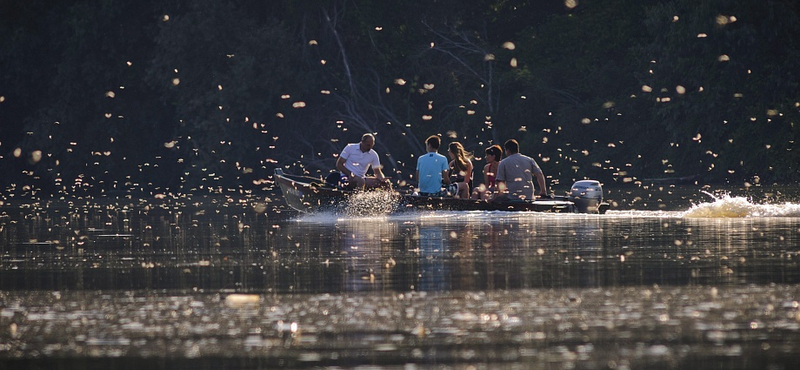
(212, 95)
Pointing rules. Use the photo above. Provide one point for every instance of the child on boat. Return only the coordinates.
(493, 155)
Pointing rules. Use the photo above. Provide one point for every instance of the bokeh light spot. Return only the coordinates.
(571, 4)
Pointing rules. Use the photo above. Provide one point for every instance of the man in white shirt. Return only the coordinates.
(356, 159)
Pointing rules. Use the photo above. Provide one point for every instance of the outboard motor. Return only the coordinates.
(587, 196)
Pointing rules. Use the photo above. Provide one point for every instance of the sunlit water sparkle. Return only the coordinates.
(213, 283)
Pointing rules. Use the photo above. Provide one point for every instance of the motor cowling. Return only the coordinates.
(587, 196)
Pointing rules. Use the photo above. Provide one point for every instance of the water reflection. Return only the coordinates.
(216, 280)
(196, 248)
(433, 251)
(365, 254)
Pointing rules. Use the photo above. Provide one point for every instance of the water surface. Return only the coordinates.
(670, 278)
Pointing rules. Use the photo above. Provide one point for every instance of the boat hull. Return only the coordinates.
(413, 202)
(308, 195)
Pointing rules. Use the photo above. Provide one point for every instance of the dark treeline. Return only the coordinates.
(212, 95)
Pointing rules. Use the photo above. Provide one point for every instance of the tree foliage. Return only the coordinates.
(212, 95)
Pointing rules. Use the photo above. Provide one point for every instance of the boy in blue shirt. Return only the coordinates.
(432, 171)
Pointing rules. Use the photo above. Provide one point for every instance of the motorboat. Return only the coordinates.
(309, 194)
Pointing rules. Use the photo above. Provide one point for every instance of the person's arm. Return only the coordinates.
(446, 177)
(542, 187)
(468, 175)
(377, 168)
(486, 169)
(379, 174)
(500, 190)
(499, 182)
(445, 174)
(340, 166)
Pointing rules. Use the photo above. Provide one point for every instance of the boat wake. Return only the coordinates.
(368, 205)
(726, 206)
(371, 203)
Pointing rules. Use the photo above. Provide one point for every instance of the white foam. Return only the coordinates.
(368, 205)
(371, 203)
(739, 207)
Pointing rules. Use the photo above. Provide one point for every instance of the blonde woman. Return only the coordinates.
(460, 168)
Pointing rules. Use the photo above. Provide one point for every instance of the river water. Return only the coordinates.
(669, 278)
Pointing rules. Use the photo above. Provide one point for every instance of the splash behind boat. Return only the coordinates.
(308, 194)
